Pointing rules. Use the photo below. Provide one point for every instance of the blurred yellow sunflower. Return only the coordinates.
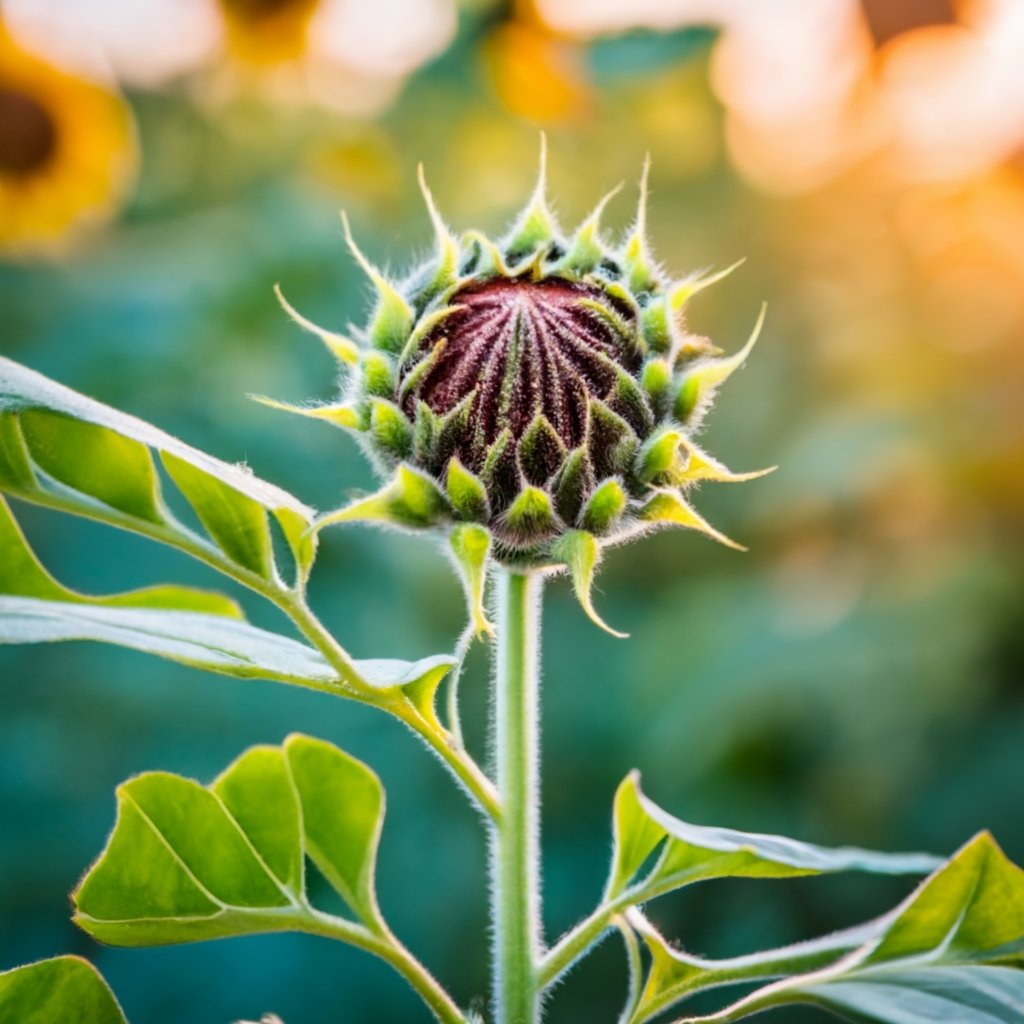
(267, 31)
(67, 151)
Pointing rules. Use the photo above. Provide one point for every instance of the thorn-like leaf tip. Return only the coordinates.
(342, 348)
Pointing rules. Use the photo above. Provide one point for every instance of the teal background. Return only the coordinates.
(855, 678)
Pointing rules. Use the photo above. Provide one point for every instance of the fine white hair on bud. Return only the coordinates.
(542, 387)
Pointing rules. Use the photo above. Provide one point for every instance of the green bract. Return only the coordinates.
(542, 387)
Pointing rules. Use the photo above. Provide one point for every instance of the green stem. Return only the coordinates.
(582, 937)
(453, 754)
(382, 943)
(514, 846)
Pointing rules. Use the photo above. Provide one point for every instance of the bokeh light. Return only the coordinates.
(856, 678)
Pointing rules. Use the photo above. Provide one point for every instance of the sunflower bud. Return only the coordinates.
(545, 384)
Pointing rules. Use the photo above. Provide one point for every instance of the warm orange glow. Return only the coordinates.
(67, 151)
(535, 74)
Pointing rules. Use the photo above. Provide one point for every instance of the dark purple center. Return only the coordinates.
(521, 348)
(28, 134)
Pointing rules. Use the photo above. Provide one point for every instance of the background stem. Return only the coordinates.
(514, 847)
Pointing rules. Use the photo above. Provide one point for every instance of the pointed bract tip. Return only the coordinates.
(593, 219)
(581, 553)
(668, 508)
(686, 289)
(645, 191)
(440, 228)
(343, 349)
(379, 280)
(339, 415)
(541, 188)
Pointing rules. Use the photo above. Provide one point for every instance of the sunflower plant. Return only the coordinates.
(527, 402)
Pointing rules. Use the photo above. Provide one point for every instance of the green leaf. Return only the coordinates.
(210, 642)
(195, 627)
(694, 853)
(237, 524)
(65, 988)
(581, 552)
(411, 500)
(471, 546)
(63, 450)
(342, 811)
(22, 575)
(950, 952)
(187, 862)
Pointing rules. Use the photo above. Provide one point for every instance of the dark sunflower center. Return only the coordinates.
(522, 348)
(28, 134)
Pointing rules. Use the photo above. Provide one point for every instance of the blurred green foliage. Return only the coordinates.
(854, 679)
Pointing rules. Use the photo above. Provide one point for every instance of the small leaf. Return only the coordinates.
(490, 259)
(392, 320)
(701, 466)
(656, 378)
(944, 954)
(574, 481)
(187, 862)
(666, 508)
(426, 431)
(541, 451)
(65, 988)
(378, 375)
(391, 428)
(604, 507)
(611, 441)
(466, 492)
(342, 813)
(658, 456)
(694, 853)
(585, 251)
(338, 414)
(581, 553)
(535, 227)
(530, 518)
(704, 377)
(236, 523)
(445, 274)
(656, 326)
(411, 500)
(640, 268)
(471, 546)
(681, 293)
(627, 399)
(343, 349)
(500, 471)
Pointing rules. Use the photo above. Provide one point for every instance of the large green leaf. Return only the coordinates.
(195, 627)
(22, 575)
(65, 988)
(693, 853)
(210, 642)
(950, 952)
(61, 449)
(187, 862)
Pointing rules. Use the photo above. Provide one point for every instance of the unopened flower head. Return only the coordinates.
(533, 398)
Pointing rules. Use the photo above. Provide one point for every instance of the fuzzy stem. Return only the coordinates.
(515, 874)
(382, 943)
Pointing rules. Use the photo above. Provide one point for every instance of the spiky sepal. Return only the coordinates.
(542, 388)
